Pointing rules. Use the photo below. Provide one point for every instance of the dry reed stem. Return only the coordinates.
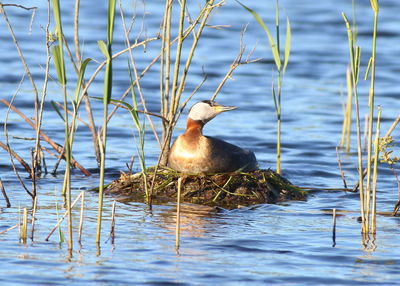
(76, 33)
(7, 141)
(340, 168)
(177, 90)
(3, 191)
(16, 157)
(27, 71)
(33, 217)
(137, 81)
(346, 129)
(165, 61)
(39, 115)
(178, 215)
(371, 106)
(103, 63)
(24, 228)
(375, 172)
(81, 217)
(45, 137)
(10, 228)
(387, 134)
(236, 63)
(188, 30)
(63, 217)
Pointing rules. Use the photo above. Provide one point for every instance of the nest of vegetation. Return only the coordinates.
(226, 190)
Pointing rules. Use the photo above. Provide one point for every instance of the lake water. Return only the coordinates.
(284, 244)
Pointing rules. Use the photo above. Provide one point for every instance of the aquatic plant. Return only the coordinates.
(58, 56)
(172, 82)
(367, 194)
(107, 52)
(355, 54)
(280, 68)
(371, 69)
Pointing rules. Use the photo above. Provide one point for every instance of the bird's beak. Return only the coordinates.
(222, 108)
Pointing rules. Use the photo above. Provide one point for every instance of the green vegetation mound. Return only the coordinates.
(226, 190)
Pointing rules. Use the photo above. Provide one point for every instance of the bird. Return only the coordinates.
(194, 153)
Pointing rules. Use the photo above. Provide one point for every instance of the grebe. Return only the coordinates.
(194, 153)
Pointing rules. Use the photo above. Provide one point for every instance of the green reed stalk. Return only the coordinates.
(106, 50)
(375, 173)
(281, 69)
(355, 53)
(58, 56)
(375, 7)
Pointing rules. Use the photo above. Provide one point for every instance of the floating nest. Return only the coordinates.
(226, 190)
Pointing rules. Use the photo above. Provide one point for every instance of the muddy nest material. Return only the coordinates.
(227, 190)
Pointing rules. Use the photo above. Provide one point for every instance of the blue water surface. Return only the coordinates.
(285, 244)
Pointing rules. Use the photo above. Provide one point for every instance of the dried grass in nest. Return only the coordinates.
(226, 190)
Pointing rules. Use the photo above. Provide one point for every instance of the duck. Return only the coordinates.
(194, 153)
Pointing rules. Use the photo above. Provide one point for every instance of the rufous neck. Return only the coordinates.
(194, 125)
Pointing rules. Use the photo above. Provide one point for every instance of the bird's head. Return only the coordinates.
(206, 110)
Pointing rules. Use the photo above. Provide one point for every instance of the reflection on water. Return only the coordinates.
(290, 243)
(193, 219)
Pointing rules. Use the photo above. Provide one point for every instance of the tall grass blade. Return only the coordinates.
(57, 110)
(80, 79)
(59, 64)
(60, 58)
(103, 48)
(272, 44)
(287, 45)
(375, 5)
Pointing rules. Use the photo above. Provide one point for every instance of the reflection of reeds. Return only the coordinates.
(178, 214)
